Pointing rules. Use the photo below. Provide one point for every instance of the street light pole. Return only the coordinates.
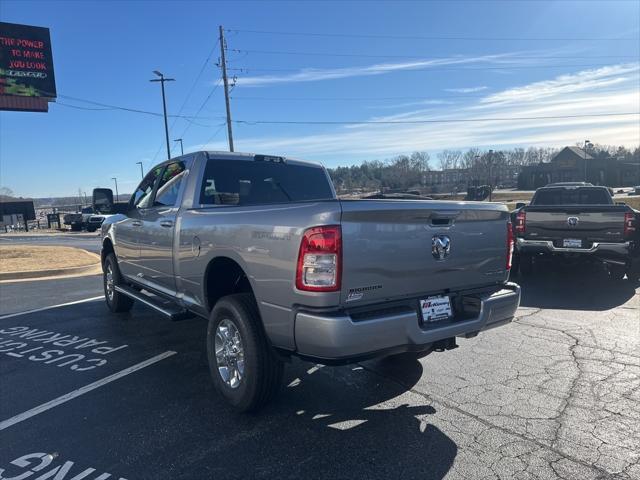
(164, 107)
(141, 170)
(181, 147)
(116, 181)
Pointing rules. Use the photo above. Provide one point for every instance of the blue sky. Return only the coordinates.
(481, 60)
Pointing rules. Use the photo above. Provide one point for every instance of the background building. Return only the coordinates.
(574, 164)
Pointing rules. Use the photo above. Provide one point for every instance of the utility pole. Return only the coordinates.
(490, 172)
(141, 170)
(181, 147)
(116, 181)
(225, 81)
(164, 106)
(586, 144)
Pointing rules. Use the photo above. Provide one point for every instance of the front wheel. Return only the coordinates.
(244, 369)
(116, 301)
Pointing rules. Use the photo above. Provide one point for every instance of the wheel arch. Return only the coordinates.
(224, 276)
(107, 248)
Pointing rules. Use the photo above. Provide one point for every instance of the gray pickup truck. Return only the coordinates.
(579, 222)
(262, 248)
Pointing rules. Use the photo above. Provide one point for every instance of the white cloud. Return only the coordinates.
(318, 74)
(467, 89)
(567, 84)
(572, 96)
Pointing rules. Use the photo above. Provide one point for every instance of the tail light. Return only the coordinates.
(629, 224)
(510, 240)
(521, 221)
(320, 259)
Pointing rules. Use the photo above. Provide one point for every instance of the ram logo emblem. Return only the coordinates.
(440, 246)
(573, 221)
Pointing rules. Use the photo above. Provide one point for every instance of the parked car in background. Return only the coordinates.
(577, 222)
(74, 220)
(262, 248)
(94, 222)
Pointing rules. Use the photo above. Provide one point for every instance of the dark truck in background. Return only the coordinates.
(577, 222)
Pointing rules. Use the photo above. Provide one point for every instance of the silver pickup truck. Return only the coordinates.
(262, 248)
(577, 222)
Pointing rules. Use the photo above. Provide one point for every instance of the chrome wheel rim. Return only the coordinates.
(229, 353)
(109, 282)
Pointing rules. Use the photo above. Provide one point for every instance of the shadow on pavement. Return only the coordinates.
(348, 423)
(573, 287)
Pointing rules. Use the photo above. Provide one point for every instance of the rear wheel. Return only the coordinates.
(244, 369)
(116, 301)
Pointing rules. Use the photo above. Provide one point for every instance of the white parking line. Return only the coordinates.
(82, 390)
(11, 315)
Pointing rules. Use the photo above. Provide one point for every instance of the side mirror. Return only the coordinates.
(520, 205)
(102, 200)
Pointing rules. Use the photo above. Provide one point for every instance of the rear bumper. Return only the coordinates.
(598, 249)
(339, 337)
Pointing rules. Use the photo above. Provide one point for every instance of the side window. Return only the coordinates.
(169, 186)
(142, 196)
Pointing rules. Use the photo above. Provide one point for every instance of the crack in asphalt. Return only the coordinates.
(581, 396)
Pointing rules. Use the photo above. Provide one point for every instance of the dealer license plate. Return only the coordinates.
(572, 243)
(435, 308)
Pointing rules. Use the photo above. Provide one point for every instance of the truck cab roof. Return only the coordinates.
(569, 184)
(257, 157)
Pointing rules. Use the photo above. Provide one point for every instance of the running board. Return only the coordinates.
(174, 313)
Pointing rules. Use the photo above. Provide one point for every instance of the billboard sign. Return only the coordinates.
(26, 66)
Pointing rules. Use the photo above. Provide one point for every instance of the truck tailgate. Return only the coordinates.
(387, 248)
(589, 223)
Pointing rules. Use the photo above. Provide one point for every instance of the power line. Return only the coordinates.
(193, 86)
(126, 109)
(204, 65)
(430, 37)
(220, 127)
(200, 109)
(77, 107)
(417, 122)
(420, 57)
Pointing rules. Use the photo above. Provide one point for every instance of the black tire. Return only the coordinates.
(526, 265)
(262, 370)
(616, 272)
(91, 229)
(117, 302)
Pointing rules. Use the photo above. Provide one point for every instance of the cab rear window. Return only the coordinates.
(572, 196)
(242, 182)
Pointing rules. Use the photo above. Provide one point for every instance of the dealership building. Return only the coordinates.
(573, 164)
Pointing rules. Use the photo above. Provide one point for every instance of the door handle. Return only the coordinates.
(166, 223)
(136, 223)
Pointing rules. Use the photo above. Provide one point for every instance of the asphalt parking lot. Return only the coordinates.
(555, 394)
